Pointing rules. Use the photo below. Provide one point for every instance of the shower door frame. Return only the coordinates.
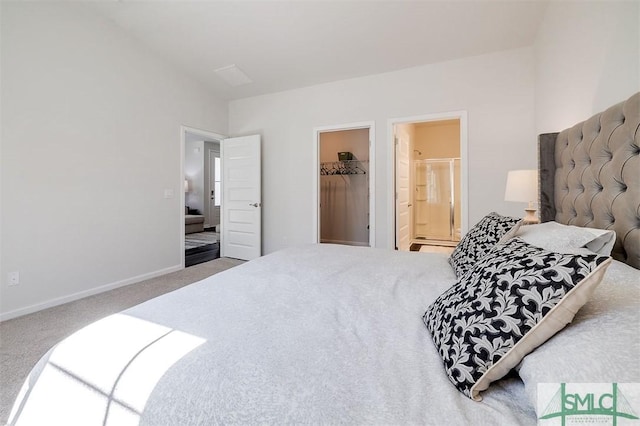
(391, 168)
(452, 194)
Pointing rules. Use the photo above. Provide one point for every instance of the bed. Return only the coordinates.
(330, 334)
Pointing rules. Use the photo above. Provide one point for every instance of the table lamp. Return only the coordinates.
(522, 186)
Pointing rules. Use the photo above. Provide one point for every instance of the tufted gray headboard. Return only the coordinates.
(590, 176)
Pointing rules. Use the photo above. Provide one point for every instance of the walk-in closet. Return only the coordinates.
(344, 186)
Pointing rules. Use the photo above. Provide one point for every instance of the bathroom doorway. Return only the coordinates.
(344, 180)
(429, 190)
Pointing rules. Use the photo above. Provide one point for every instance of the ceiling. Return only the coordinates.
(283, 45)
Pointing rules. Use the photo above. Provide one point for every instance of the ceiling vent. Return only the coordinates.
(233, 75)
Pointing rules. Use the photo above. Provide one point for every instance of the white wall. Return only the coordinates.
(587, 59)
(90, 141)
(497, 90)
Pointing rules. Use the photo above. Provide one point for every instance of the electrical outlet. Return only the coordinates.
(13, 278)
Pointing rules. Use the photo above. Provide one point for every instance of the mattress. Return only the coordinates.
(313, 334)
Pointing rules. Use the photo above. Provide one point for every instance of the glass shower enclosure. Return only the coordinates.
(436, 200)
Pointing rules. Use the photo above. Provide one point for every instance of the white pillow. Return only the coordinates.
(602, 343)
(560, 238)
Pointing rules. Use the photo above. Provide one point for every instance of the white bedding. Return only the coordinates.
(314, 334)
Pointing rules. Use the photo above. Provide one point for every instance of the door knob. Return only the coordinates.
(255, 205)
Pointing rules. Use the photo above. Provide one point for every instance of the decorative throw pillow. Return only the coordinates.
(509, 303)
(561, 238)
(492, 229)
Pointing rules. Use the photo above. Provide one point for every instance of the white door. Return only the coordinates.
(403, 195)
(241, 198)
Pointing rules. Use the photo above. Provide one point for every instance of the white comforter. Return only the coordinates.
(315, 334)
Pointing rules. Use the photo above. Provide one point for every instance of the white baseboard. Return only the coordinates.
(81, 294)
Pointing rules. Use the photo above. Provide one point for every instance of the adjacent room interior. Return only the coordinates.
(428, 185)
(344, 186)
(203, 194)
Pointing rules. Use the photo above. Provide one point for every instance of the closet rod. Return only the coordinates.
(346, 167)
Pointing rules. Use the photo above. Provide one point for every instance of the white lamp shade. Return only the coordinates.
(522, 185)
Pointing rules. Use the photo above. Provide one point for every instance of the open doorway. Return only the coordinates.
(213, 185)
(429, 182)
(202, 195)
(344, 165)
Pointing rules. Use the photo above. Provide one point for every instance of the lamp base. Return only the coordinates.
(530, 218)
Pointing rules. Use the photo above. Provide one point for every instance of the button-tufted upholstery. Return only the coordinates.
(597, 176)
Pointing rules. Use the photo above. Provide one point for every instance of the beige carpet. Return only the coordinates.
(25, 339)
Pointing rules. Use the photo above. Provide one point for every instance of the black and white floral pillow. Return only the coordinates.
(509, 303)
(491, 229)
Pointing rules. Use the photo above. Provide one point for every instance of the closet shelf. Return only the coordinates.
(346, 167)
